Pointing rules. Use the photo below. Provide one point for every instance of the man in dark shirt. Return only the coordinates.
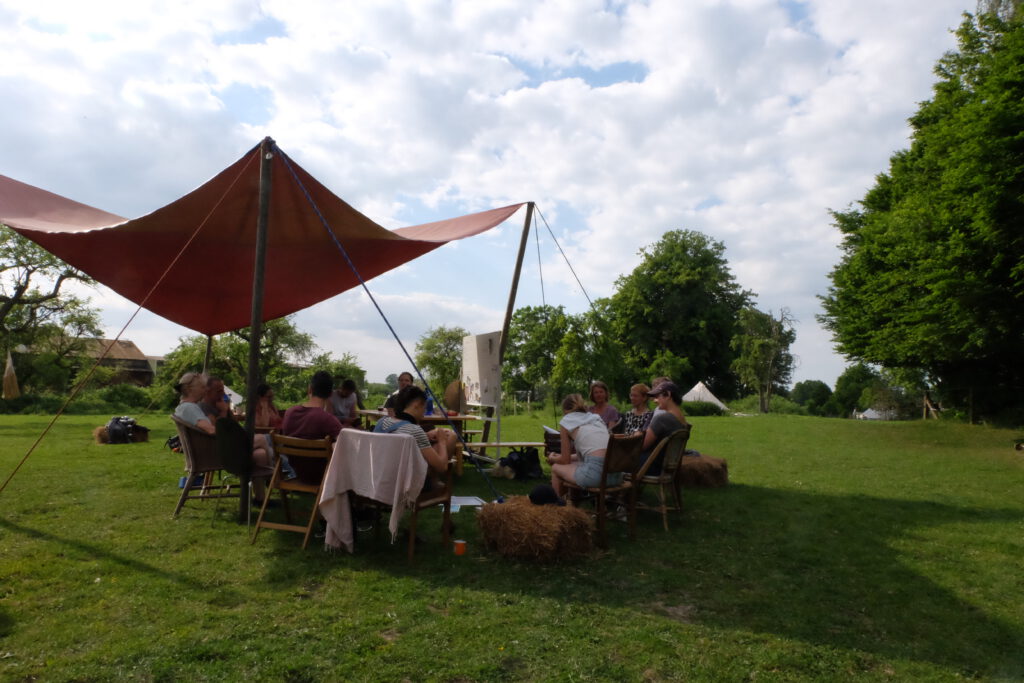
(313, 419)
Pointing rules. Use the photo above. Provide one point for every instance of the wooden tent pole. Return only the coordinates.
(515, 283)
(503, 344)
(256, 324)
(209, 353)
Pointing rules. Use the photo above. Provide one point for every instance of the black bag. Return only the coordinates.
(119, 429)
(525, 463)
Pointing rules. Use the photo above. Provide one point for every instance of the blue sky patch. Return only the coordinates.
(255, 33)
(796, 10)
(619, 72)
(247, 103)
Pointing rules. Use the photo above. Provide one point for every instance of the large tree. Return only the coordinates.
(851, 390)
(37, 311)
(680, 305)
(284, 349)
(932, 271)
(812, 394)
(763, 361)
(535, 333)
(439, 353)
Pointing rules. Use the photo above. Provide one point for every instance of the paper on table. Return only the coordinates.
(467, 500)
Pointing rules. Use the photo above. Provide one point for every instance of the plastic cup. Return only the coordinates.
(460, 547)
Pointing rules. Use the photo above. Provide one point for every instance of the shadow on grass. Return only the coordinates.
(824, 569)
(99, 552)
(828, 569)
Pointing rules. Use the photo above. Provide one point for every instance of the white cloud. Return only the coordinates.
(745, 125)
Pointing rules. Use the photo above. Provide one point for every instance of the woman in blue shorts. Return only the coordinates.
(589, 434)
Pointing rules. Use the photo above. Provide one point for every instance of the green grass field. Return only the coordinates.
(841, 550)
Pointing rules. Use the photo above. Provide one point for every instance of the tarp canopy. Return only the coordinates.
(209, 288)
(700, 392)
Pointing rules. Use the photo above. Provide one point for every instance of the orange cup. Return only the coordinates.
(460, 547)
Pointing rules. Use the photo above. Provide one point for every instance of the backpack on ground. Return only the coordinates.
(119, 429)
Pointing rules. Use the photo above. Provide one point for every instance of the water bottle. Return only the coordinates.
(430, 406)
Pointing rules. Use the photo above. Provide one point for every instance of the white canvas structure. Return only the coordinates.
(481, 369)
(700, 392)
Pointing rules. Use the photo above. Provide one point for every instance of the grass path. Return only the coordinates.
(841, 550)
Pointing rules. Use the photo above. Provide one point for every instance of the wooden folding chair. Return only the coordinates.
(309, 458)
(671, 450)
(201, 458)
(235, 451)
(622, 455)
(436, 496)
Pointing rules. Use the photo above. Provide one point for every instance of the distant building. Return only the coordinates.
(132, 364)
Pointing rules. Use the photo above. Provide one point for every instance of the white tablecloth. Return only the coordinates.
(388, 468)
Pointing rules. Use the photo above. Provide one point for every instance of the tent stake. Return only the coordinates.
(256, 325)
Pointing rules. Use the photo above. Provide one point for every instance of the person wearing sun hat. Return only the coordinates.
(668, 419)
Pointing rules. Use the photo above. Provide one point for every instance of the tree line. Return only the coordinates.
(680, 313)
(930, 285)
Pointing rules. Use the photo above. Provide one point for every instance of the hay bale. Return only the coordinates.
(100, 434)
(546, 533)
(703, 471)
(140, 434)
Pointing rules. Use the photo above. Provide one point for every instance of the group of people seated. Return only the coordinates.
(325, 412)
(587, 429)
(584, 429)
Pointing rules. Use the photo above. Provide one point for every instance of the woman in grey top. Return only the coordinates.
(665, 421)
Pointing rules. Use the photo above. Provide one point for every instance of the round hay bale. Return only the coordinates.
(100, 435)
(703, 472)
(545, 533)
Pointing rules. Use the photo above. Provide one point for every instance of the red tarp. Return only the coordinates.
(209, 289)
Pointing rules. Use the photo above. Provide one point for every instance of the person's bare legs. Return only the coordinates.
(562, 471)
(260, 460)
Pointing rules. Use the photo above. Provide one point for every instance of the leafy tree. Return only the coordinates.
(31, 280)
(439, 353)
(38, 313)
(764, 362)
(535, 334)
(572, 371)
(812, 394)
(850, 390)
(1005, 9)
(683, 300)
(285, 355)
(932, 265)
(55, 348)
(392, 382)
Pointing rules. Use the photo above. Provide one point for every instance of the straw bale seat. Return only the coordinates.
(546, 533)
(703, 472)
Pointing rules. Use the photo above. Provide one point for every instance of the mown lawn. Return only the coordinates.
(840, 550)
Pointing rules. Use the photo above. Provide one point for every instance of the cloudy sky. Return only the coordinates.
(745, 119)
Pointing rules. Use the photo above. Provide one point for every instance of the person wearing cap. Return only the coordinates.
(669, 419)
(589, 434)
(655, 381)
